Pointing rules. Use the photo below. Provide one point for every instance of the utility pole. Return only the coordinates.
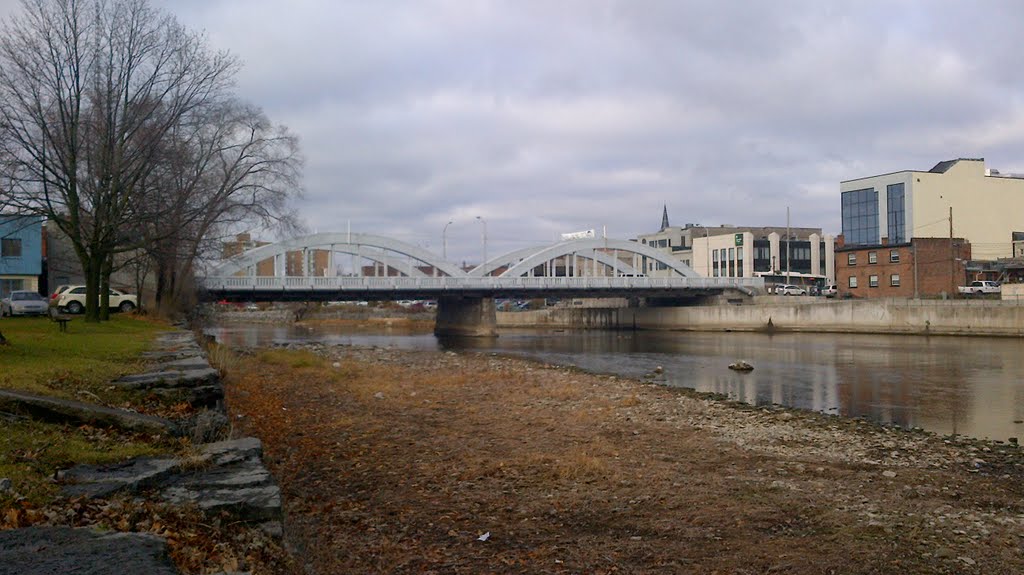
(913, 249)
(787, 244)
(952, 257)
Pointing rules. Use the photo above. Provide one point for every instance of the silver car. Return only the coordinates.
(788, 289)
(23, 303)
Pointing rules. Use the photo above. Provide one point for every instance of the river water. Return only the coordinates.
(968, 386)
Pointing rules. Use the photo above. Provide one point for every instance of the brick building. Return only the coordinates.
(921, 267)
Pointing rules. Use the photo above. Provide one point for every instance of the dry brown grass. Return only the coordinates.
(403, 462)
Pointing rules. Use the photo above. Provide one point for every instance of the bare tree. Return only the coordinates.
(229, 165)
(89, 89)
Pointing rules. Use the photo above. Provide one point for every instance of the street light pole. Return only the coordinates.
(444, 241)
(484, 222)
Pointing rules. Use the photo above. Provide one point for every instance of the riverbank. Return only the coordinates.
(796, 314)
(410, 462)
(111, 459)
(773, 314)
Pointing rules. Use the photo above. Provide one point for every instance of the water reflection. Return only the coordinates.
(970, 386)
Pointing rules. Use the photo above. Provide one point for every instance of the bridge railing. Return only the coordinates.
(442, 284)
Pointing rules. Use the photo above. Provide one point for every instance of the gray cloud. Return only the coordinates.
(544, 117)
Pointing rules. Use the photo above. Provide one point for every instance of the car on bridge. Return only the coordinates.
(789, 289)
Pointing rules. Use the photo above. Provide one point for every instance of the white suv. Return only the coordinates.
(787, 289)
(830, 290)
(72, 299)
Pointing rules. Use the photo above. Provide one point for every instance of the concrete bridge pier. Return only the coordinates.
(466, 317)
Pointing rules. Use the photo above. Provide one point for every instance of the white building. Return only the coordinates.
(745, 251)
(745, 254)
(987, 207)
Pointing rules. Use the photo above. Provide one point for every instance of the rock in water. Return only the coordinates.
(741, 365)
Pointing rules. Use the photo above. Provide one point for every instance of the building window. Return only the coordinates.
(860, 216)
(851, 259)
(10, 247)
(894, 280)
(896, 212)
(7, 286)
(873, 281)
(853, 281)
(872, 257)
(894, 256)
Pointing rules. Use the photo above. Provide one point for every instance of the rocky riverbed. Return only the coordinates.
(432, 462)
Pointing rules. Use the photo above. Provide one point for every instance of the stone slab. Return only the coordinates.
(187, 363)
(228, 476)
(235, 481)
(79, 413)
(60, 550)
(169, 378)
(105, 480)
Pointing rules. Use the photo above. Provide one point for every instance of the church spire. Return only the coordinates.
(664, 217)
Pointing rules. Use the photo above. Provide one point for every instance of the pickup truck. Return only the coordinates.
(979, 288)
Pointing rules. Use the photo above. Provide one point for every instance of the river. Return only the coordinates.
(948, 385)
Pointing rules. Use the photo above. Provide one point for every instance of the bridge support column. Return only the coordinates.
(466, 317)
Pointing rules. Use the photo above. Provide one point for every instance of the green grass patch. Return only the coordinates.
(295, 359)
(31, 452)
(40, 359)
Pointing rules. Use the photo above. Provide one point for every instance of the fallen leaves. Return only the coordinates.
(198, 543)
(400, 465)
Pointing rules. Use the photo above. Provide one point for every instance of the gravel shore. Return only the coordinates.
(432, 462)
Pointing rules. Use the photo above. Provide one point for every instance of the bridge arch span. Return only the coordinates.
(512, 258)
(588, 248)
(350, 243)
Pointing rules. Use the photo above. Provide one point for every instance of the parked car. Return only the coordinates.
(830, 290)
(72, 299)
(981, 288)
(787, 289)
(23, 302)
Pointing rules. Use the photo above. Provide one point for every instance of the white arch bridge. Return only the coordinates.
(307, 268)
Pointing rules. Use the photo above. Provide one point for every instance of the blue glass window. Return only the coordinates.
(860, 217)
(897, 215)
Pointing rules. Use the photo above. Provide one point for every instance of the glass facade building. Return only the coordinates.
(860, 216)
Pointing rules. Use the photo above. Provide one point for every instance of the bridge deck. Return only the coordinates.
(258, 288)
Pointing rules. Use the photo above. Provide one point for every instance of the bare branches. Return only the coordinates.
(227, 164)
(114, 116)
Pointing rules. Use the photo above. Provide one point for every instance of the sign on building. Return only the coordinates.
(739, 239)
(584, 235)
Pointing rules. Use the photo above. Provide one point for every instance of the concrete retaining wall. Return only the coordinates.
(853, 316)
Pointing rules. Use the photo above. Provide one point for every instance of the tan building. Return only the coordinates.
(987, 207)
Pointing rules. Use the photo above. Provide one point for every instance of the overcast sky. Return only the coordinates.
(554, 116)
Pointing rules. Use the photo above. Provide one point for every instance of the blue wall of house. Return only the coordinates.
(28, 231)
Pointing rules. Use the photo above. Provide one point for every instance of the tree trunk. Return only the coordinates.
(108, 264)
(92, 289)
